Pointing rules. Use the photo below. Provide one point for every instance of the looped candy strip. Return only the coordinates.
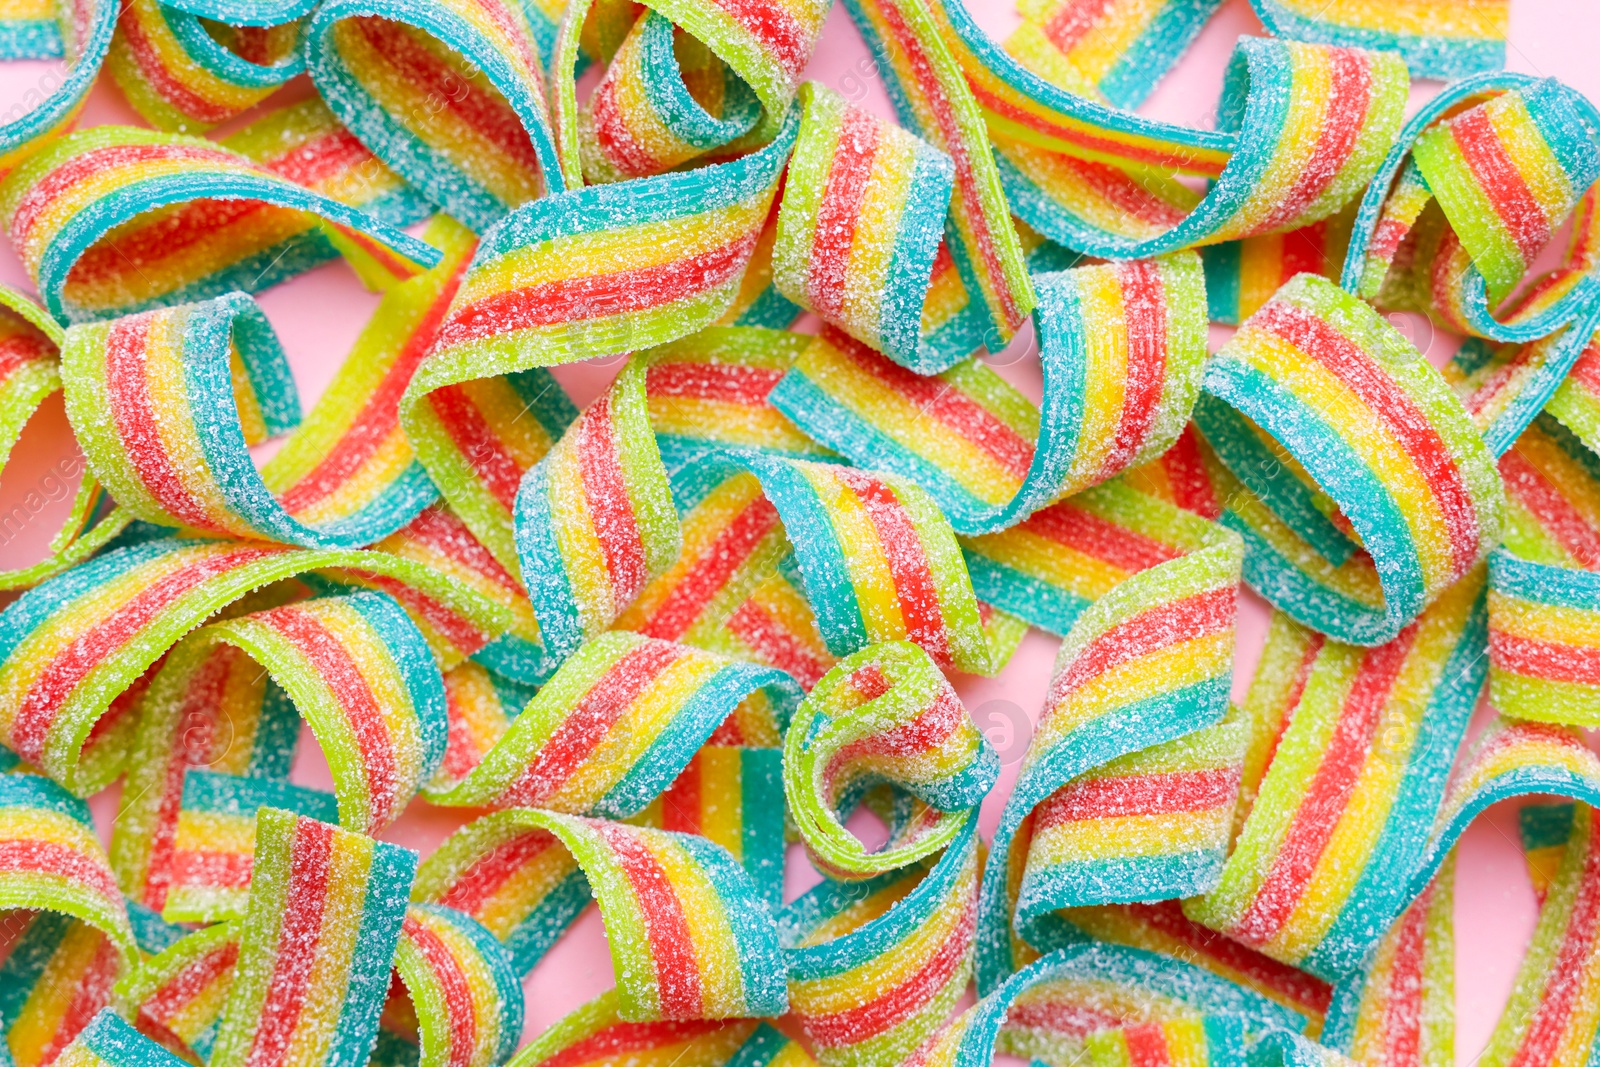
(1102, 181)
(180, 76)
(1330, 418)
(1122, 347)
(1146, 664)
(117, 219)
(74, 645)
(79, 32)
(690, 935)
(883, 715)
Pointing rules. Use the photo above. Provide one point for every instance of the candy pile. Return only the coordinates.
(647, 645)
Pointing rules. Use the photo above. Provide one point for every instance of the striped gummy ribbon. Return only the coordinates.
(1332, 422)
(690, 934)
(191, 388)
(451, 95)
(521, 306)
(76, 645)
(597, 1034)
(176, 996)
(1444, 41)
(233, 216)
(1113, 1005)
(67, 929)
(181, 78)
(79, 32)
(1145, 664)
(1304, 129)
(1122, 347)
(860, 235)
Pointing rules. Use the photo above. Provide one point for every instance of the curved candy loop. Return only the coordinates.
(467, 998)
(765, 47)
(1146, 664)
(859, 236)
(451, 95)
(522, 305)
(905, 935)
(325, 915)
(1102, 1000)
(883, 715)
(598, 1032)
(177, 996)
(1349, 757)
(212, 220)
(1372, 455)
(247, 12)
(76, 642)
(1101, 181)
(615, 726)
(1122, 347)
(81, 32)
(1435, 42)
(1541, 645)
(690, 936)
(359, 672)
(653, 109)
(187, 75)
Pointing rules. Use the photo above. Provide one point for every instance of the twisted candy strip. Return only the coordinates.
(597, 1034)
(326, 911)
(1122, 347)
(180, 77)
(883, 714)
(1101, 180)
(1145, 664)
(1369, 444)
(451, 95)
(209, 221)
(653, 110)
(176, 997)
(109, 1042)
(522, 305)
(859, 234)
(466, 997)
(1444, 42)
(1349, 755)
(73, 644)
(690, 936)
(615, 726)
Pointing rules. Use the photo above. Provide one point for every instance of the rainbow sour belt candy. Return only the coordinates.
(1356, 444)
(1121, 346)
(1437, 40)
(596, 1034)
(73, 644)
(690, 936)
(60, 206)
(80, 32)
(884, 714)
(179, 77)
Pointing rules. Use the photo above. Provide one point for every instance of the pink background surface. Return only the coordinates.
(318, 316)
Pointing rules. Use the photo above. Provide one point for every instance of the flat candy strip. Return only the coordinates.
(315, 947)
(60, 206)
(77, 641)
(615, 726)
(597, 1034)
(884, 714)
(1145, 664)
(1351, 751)
(481, 145)
(1542, 643)
(690, 936)
(1122, 347)
(521, 305)
(466, 996)
(875, 966)
(1371, 425)
(1243, 275)
(859, 228)
(181, 78)
(1436, 41)
(109, 1042)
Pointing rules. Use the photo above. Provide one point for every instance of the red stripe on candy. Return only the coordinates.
(305, 897)
(672, 951)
